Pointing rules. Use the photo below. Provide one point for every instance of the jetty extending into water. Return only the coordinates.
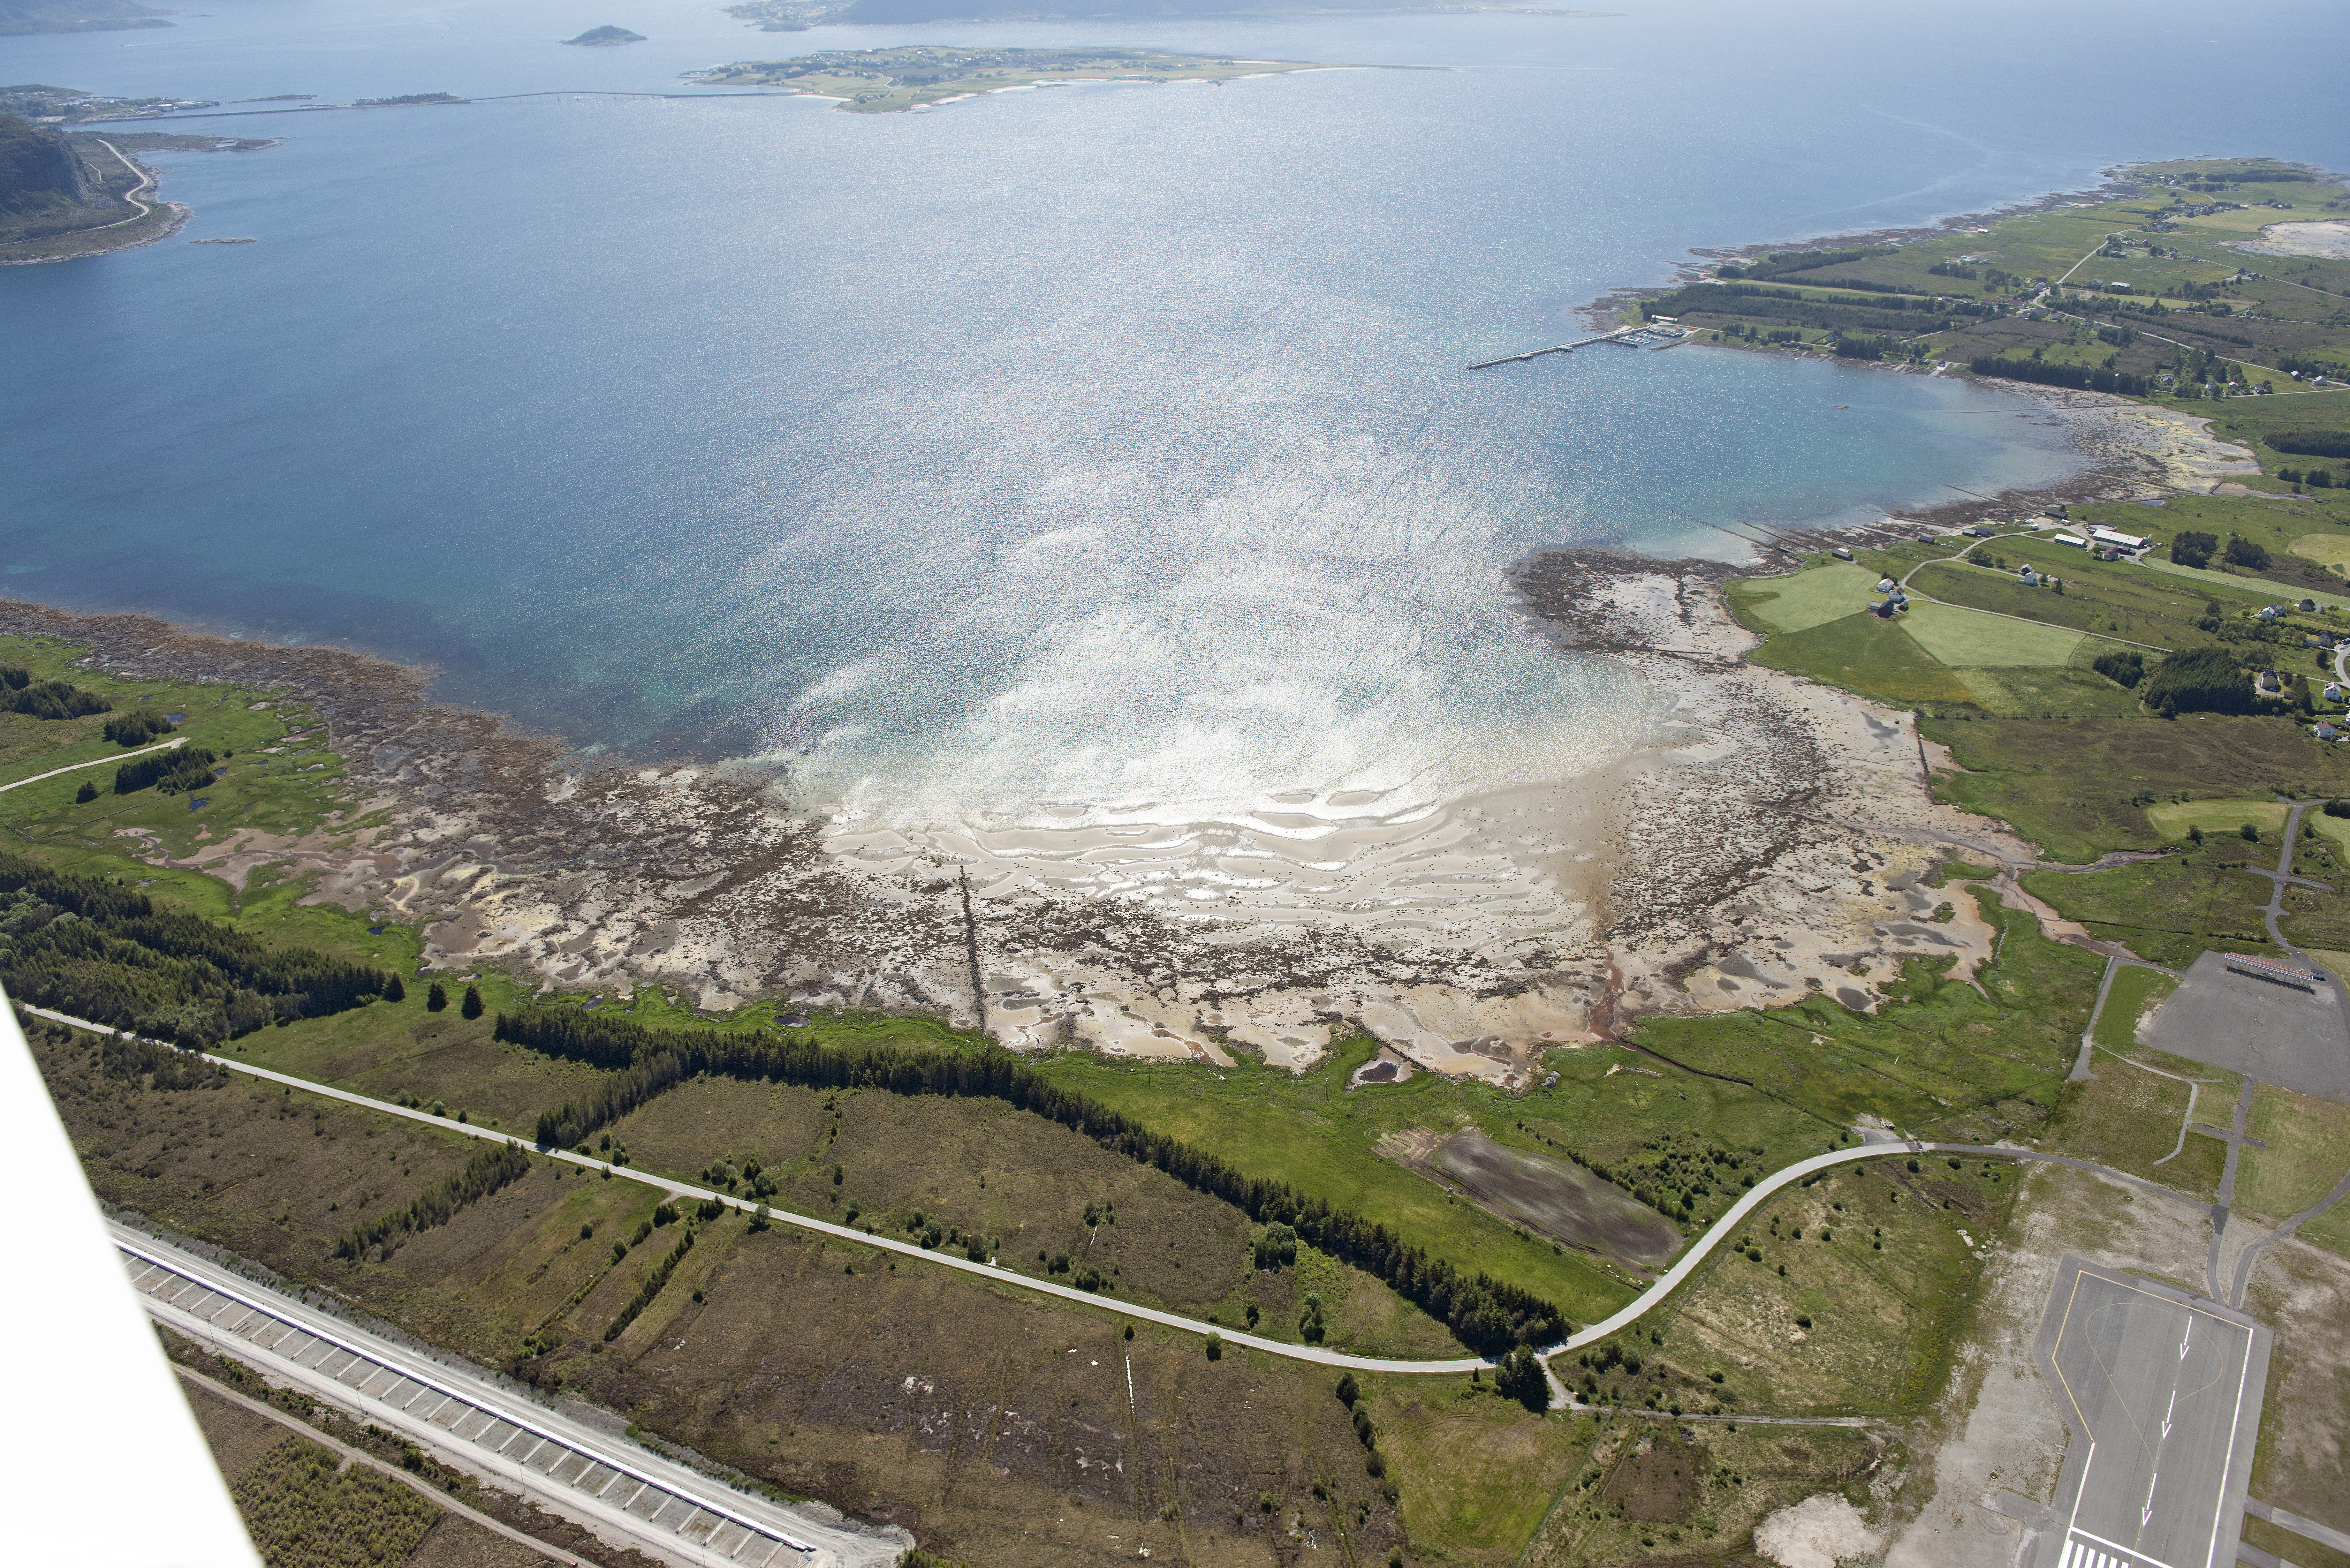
(1648, 337)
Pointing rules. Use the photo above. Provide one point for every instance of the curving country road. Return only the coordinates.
(96, 762)
(1648, 1299)
(146, 178)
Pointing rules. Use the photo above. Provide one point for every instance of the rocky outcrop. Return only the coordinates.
(40, 175)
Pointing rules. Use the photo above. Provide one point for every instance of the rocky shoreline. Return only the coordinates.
(1763, 841)
(2114, 184)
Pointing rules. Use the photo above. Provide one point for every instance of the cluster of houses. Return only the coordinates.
(1893, 603)
(2106, 543)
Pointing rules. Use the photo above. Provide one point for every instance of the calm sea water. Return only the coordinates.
(1100, 445)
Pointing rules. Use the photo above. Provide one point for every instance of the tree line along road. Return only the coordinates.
(1648, 1299)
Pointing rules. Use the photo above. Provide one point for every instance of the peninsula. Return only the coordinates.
(881, 81)
(45, 105)
(74, 193)
(72, 196)
(2189, 281)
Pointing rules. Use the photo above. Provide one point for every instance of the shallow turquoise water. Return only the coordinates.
(1094, 444)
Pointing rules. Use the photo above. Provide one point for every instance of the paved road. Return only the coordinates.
(131, 195)
(1648, 1299)
(96, 762)
(2162, 1392)
(624, 1489)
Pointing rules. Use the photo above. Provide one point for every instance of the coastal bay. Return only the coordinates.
(990, 680)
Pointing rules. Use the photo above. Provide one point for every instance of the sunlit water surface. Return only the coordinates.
(1093, 461)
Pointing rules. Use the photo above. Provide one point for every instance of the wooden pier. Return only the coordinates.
(1624, 336)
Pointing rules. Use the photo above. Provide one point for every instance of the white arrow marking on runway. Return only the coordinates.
(2149, 1501)
(2183, 1338)
(2166, 1414)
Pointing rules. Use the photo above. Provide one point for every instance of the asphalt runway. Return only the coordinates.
(2278, 1034)
(2162, 1393)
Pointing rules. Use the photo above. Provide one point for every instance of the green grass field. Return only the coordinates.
(2078, 789)
(1964, 637)
(2165, 911)
(1872, 1259)
(2129, 1117)
(2326, 597)
(2173, 818)
(1940, 1058)
(2042, 691)
(2328, 549)
(1822, 592)
(2333, 832)
(2135, 994)
(1309, 1131)
(1865, 654)
(2308, 1151)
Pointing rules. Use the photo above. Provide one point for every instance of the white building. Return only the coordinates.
(2116, 538)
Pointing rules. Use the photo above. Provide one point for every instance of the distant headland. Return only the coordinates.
(606, 37)
(18, 17)
(798, 16)
(65, 195)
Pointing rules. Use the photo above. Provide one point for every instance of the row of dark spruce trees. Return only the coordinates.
(1488, 1314)
(97, 948)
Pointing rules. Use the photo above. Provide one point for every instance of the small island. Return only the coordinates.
(882, 81)
(606, 37)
